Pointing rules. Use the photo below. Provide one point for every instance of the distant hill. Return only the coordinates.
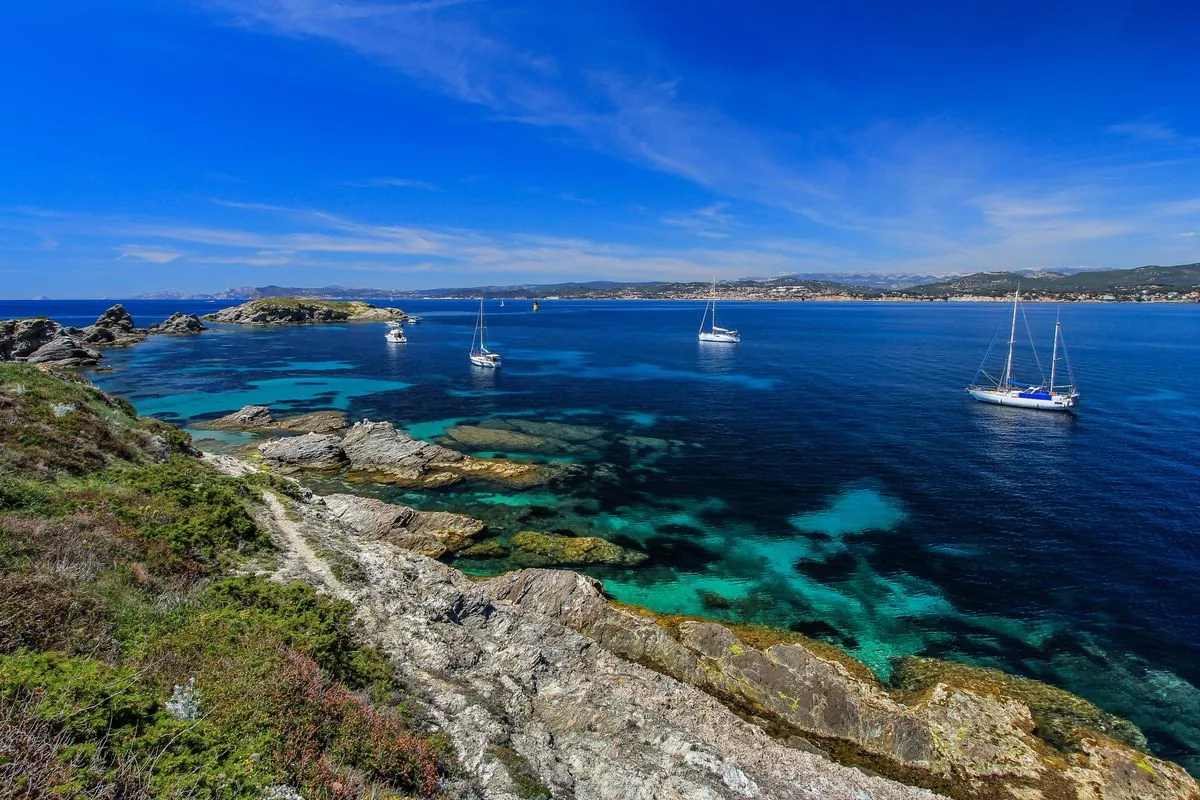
(1184, 277)
(1070, 283)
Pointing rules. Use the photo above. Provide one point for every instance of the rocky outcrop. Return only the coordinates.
(430, 533)
(964, 737)
(311, 451)
(543, 549)
(114, 328)
(291, 311)
(260, 418)
(40, 340)
(179, 324)
(537, 710)
(475, 437)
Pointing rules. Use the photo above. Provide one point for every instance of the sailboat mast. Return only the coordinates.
(482, 328)
(1012, 339)
(714, 296)
(1054, 355)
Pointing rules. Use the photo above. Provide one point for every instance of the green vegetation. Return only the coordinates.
(288, 302)
(132, 665)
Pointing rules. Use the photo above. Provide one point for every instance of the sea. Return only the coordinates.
(828, 475)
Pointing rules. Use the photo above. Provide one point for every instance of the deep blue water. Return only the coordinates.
(828, 474)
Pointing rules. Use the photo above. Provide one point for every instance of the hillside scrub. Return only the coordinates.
(134, 663)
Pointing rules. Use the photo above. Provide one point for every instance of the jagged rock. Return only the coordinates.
(965, 740)
(64, 351)
(114, 328)
(21, 338)
(290, 311)
(179, 324)
(543, 549)
(430, 533)
(381, 447)
(311, 451)
(244, 418)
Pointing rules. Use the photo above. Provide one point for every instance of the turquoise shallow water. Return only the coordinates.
(827, 475)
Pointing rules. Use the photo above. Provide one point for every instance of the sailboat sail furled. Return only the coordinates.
(716, 333)
(1006, 390)
(480, 355)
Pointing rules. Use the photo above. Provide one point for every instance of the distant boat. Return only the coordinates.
(716, 333)
(480, 355)
(395, 333)
(535, 305)
(1007, 391)
(502, 303)
(412, 319)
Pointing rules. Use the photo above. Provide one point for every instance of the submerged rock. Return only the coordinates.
(311, 451)
(535, 548)
(476, 437)
(179, 324)
(292, 311)
(314, 422)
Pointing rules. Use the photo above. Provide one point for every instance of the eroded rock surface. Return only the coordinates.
(260, 418)
(245, 418)
(430, 533)
(310, 451)
(965, 738)
(523, 697)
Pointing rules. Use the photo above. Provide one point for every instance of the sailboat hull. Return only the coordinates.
(1040, 400)
(727, 338)
(484, 361)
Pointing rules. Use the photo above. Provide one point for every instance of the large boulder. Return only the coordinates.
(430, 533)
(244, 418)
(543, 549)
(311, 451)
(381, 447)
(64, 351)
(313, 422)
(179, 324)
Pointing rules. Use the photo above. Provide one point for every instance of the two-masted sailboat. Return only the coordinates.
(1006, 390)
(715, 333)
(480, 355)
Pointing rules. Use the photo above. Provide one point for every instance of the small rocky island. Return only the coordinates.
(41, 340)
(297, 311)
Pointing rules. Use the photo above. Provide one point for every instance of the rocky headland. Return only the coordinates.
(40, 340)
(295, 311)
(255, 636)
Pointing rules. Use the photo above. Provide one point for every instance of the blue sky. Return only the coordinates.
(203, 144)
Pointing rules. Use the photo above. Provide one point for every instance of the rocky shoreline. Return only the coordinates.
(41, 340)
(600, 700)
(538, 684)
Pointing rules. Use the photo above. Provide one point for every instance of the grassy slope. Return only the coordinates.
(116, 553)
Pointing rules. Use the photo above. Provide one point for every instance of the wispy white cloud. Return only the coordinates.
(153, 254)
(710, 222)
(398, 183)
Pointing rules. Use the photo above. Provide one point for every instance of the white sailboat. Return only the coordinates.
(395, 333)
(1007, 391)
(716, 333)
(480, 355)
